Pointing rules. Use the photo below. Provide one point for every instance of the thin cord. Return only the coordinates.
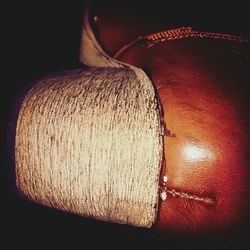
(178, 34)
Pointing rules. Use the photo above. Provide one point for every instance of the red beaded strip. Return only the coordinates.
(177, 34)
(166, 191)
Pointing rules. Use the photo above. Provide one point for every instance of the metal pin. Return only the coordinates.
(164, 179)
(163, 195)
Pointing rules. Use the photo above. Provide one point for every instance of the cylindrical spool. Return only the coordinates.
(89, 142)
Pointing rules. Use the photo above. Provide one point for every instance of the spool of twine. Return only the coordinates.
(89, 142)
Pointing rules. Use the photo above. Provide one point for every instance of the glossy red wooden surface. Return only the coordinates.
(203, 88)
(201, 85)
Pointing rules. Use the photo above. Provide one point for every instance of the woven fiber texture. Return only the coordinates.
(89, 142)
(91, 52)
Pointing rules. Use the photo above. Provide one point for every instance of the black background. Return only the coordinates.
(43, 37)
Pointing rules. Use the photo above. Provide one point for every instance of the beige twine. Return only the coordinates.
(88, 142)
(91, 53)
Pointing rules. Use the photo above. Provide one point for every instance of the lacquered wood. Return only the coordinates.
(203, 88)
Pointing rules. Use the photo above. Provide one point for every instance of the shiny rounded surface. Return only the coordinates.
(202, 88)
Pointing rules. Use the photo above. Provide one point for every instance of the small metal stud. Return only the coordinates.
(163, 195)
(164, 179)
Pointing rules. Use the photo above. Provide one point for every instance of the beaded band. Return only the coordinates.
(178, 34)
